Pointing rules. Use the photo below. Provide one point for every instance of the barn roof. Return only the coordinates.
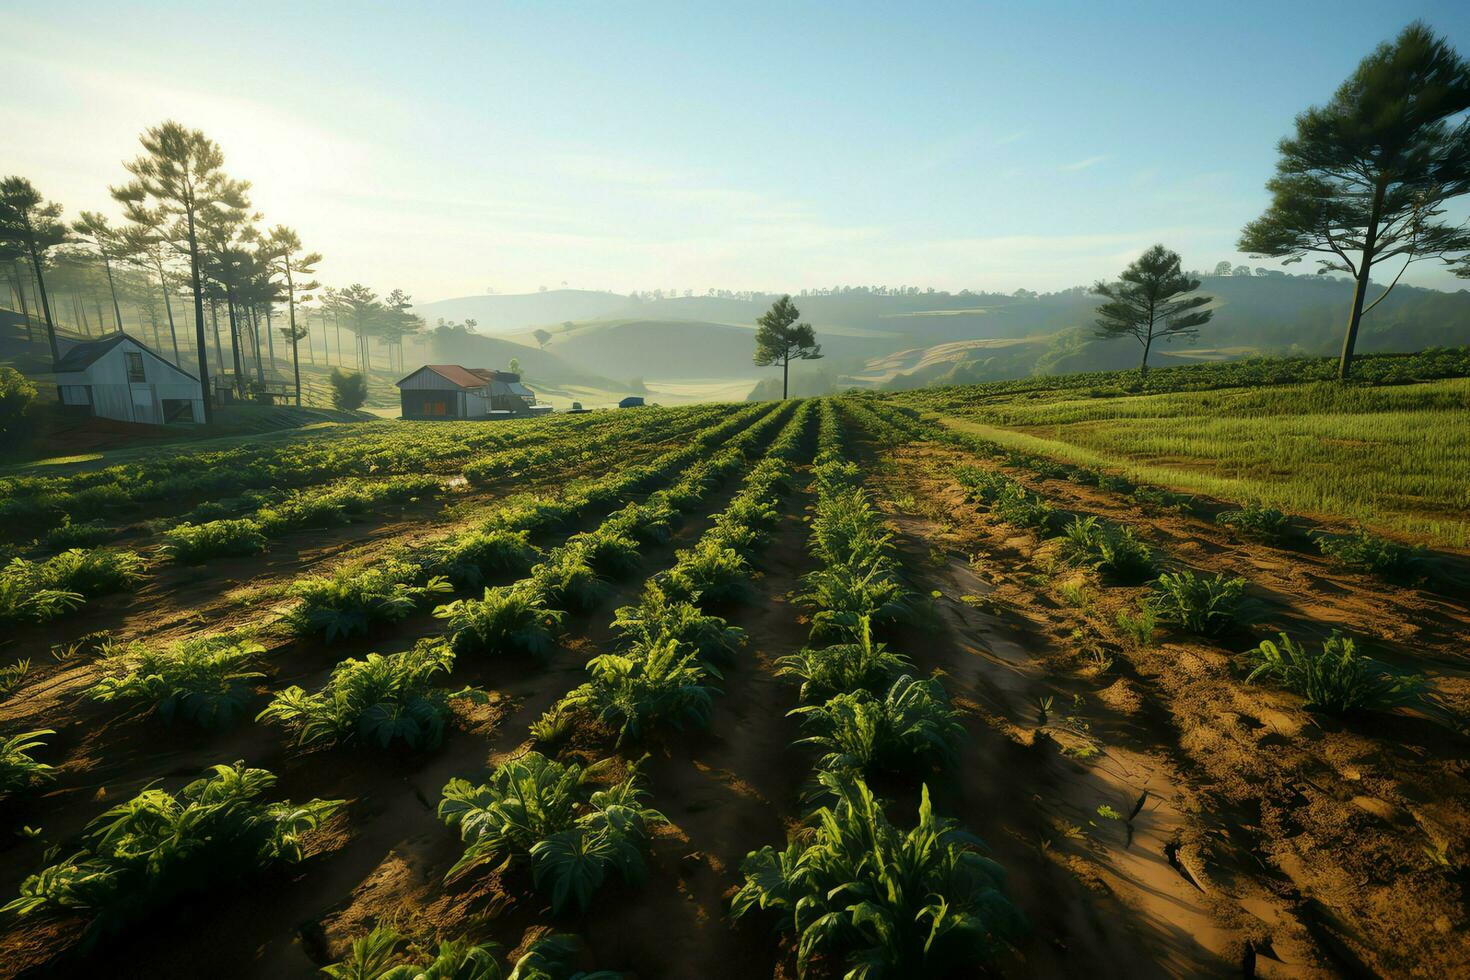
(460, 377)
(81, 356)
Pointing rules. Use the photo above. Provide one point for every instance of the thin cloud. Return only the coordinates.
(1006, 140)
(1085, 162)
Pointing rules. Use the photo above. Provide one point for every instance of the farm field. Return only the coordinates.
(1040, 678)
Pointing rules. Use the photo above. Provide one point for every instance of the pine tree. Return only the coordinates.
(1366, 177)
(35, 223)
(779, 339)
(1148, 303)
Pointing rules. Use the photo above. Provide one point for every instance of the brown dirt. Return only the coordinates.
(1268, 835)
(1252, 836)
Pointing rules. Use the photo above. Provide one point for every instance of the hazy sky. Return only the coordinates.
(453, 147)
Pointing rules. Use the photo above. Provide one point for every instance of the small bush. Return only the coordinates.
(158, 846)
(539, 812)
(349, 390)
(18, 770)
(377, 701)
(1337, 679)
(88, 534)
(568, 580)
(203, 680)
(1367, 551)
(658, 617)
(710, 572)
(1255, 521)
(93, 571)
(1201, 604)
(844, 668)
(192, 543)
(349, 602)
(505, 620)
(383, 954)
(1115, 552)
(910, 726)
(470, 559)
(1139, 627)
(17, 394)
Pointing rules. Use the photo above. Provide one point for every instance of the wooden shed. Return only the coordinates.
(120, 377)
(450, 391)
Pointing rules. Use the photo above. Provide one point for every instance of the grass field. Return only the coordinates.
(1397, 457)
(916, 682)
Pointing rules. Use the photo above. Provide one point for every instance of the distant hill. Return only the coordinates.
(639, 348)
(538, 366)
(504, 314)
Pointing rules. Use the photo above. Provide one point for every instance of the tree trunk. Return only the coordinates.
(219, 353)
(45, 302)
(270, 340)
(1143, 365)
(1360, 290)
(235, 343)
(252, 316)
(112, 288)
(20, 294)
(168, 307)
(203, 351)
(785, 376)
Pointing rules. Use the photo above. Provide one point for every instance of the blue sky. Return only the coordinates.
(466, 146)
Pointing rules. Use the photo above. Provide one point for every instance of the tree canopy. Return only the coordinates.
(1365, 178)
(780, 339)
(1150, 302)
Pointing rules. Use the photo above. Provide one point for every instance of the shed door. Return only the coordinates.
(143, 404)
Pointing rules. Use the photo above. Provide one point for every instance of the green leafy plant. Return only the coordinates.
(41, 591)
(205, 680)
(537, 812)
(860, 664)
(1371, 553)
(470, 559)
(84, 534)
(909, 726)
(1116, 552)
(13, 675)
(662, 683)
(377, 701)
(198, 542)
(508, 619)
(1255, 520)
(385, 954)
(1201, 604)
(354, 601)
(568, 580)
(709, 572)
(1336, 679)
(159, 845)
(658, 617)
(18, 770)
(1139, 627)
(887, 902)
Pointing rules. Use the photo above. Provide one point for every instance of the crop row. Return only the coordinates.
(34, 503)
(853, 886)
(377, 701)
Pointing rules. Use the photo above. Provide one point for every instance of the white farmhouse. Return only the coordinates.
(119, 377)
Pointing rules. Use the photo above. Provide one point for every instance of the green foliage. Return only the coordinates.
(377, 701)
(908, 727)
(662, 683)
(861, 664)
(470, 559)
(567, 579)
(1114, 551)
(349, 602)
(1140, 626)
(779, 339)
(709, 572)
(385, 954)
(83, 534)
(197, 542)
(887, 902)
(16, 397)
(205, 680)
(1367, 551)
(1201, 604)
(658, 617)
(18, 769)
(1256, 521)
(41, 591)
(515, 619)
(1150, 302)
(159, 845)
(349, 389)
(539, 812)
(1337, 679)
